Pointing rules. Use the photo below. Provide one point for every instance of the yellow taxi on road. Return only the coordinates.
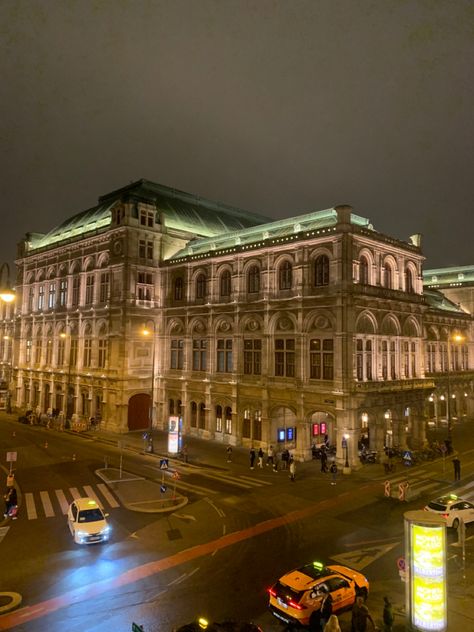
(296, 597)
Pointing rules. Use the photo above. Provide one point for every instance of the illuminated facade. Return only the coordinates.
(267, 332)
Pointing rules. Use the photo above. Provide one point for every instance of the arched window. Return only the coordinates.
(178, 289)
(218, 418)
(228, 420)
(364, 271)
(201, 286)
(225, 284)
(253, 280)
(202, 416)
(409, 282)
(388, 276)
(193, 420)
(285, 276)
(321, 271)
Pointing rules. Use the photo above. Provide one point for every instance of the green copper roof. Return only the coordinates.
(449, 277)
(176, 209)
(280, 230)
(437, 300)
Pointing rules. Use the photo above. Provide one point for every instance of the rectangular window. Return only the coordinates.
(200, 355)
(73, 352)
(41, 297)
(145, 249)
(49, 352)
(146, 218)
(406, 359)
(321, 359)
(252, 357)
(359, 360)
(63, 292)
(393, 360)
(29, 344)
(384, 360)
(38, 350)
(89, 289)
(285, 357)
(328, 359)
(87, 357)
(176, 360)
(224, 355)
(145, 286)
(104, 287)
(52, 295)
(102, 358)
(413, 359)
(31, 298)
(368, 359)
(76, 287)
(61, 352)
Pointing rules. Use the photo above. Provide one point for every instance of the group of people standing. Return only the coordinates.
(326, 621)
(272, 460)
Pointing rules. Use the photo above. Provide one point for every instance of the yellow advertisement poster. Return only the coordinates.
(428, 577)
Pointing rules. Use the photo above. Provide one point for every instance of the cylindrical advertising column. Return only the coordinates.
(426, 585)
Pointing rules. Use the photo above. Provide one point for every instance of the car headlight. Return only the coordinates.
(106, 529)
(82, 534)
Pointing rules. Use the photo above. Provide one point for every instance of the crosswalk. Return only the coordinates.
(241, 482)
(48, 504)
(423, 482)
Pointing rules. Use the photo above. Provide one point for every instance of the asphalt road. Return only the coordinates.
(215, 557)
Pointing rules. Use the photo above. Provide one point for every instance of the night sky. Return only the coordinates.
(279, 107)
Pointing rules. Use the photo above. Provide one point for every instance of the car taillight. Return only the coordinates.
(295, 605)
(272, 592)
(444, 515)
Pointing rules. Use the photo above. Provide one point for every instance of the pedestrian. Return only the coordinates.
(457, 468)
(11, 501)
(285, 457)
(324, 460)
(325, 608)
(260, 457)
(270, 455)
(332, 625)
(333, 470)
(252, 457)
(229, 454)
(360, 616)
(292, 469)
(275, 463)
(388, 617)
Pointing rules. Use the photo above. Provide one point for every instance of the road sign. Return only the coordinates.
(137, 628)
(175, 475)
(407, 455)
(163, 488)
(11, 456)
(163, 464)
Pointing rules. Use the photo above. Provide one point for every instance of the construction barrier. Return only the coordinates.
(403, 490)
(387, 489)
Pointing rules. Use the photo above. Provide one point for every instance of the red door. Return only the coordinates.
(138, 410)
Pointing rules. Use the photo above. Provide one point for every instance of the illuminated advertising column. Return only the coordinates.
(173, 435)
(425, 551)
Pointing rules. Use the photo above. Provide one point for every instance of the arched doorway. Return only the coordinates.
(283, 428)
(138, 411)
(322, 428)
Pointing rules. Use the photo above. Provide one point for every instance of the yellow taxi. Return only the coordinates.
(296, 597)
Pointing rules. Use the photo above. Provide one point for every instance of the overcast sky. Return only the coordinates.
(281, 107)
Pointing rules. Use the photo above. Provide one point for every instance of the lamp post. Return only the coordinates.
(455, 338)
(345, 445)
(146, 331)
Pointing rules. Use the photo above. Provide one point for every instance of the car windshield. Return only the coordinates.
(287, 593)
(90, 515)
(437, 506)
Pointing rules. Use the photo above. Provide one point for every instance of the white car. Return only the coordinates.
(452, 509)
(87, 522)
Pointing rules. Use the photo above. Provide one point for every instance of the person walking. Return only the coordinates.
(285, 457)
(332, 625)
(270, 455)
(333, 470)
(229, 454)
(388, 617)
(325, 609)
(324, 460)
(11, 502)
(275, 463)
(252, 457)
(360, 616)
(457, 468)
(292, 469)
(260, 457)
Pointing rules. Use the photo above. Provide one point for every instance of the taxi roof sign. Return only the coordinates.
(318, 565)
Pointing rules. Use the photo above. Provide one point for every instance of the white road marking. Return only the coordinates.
(60, 495)
(74, 492)
(3, 532)
(47, 506)
(107, 495)
(30, 506)
(358, 560)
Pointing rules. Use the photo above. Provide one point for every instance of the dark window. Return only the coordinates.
(218, 418)
(89, 289)
(76, 286)
(104, 287)
(225, 284)
(321, 354)
(409, 285)
(285, 276)
(252, 357)
(200, 355)
(364, 271)
(253, 280)
(193, 420)
(177, 347)
(321, 271)
(201, 286)
(63, 292)
(202, 416)
(388, 281)
(224, 355)
(285, 357)
(178, 289)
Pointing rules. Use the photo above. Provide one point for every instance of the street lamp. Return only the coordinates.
(456, 338)
(6, 293)
(146, 331)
